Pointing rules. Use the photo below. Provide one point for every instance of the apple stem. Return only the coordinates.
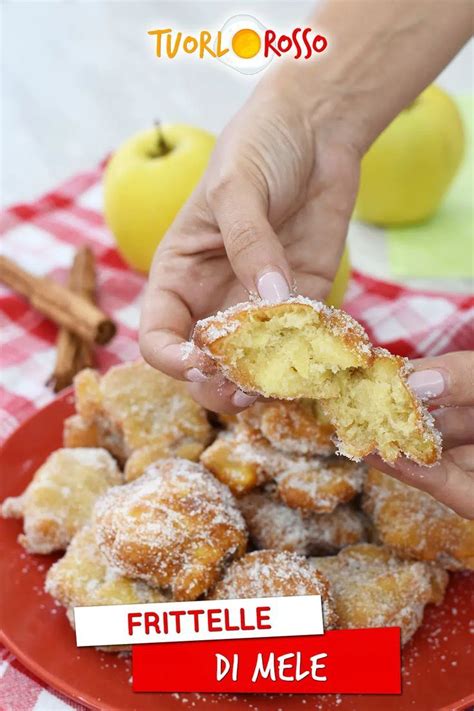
(162, 148)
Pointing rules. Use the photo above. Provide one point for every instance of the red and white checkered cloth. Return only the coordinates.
(42, 236)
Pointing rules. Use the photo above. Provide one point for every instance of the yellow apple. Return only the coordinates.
(339, 285)
(146, 183)
(407, 170)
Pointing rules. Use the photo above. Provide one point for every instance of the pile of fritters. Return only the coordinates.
(288, 444)
(269, 510)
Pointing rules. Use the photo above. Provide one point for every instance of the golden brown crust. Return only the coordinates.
(139, 460)
(79, 433)
(292, 426)
(60, 498)
(134, 406)
(373, 588)
(174, 528)
(210, 333)
(83, 577)
(301, 349)
(243, 459)
(272, 573)
(321, 484)
(88, 395)
(239, 458)
(417, 526)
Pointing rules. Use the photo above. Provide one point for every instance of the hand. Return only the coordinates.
(448, 383)
(272, 210)
(270, 214)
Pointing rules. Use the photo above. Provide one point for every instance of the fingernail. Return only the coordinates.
(194, 375)
(180, 351)
(427, 383)
(273, 287)
(241, 399)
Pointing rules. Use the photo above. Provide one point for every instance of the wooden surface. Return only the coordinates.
(80, 77)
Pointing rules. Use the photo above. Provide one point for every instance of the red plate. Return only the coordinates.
(438, 663)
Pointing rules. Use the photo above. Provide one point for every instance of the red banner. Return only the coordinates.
(340, 661)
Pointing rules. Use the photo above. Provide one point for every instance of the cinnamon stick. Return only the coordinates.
(73, 354)
(72, 311)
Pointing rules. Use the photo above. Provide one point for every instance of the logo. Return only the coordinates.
(243, 44)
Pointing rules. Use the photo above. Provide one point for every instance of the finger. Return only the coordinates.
(322, 228)
(446, 379)
(254, 250)
(451, 481)
(456, 425)
(220, 395)
(165, 326)
(312, 286)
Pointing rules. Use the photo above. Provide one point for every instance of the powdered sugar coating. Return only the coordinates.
(134, 406)
(415, 525)
(273, 524)
(373, 588)
(321, 483)
(60, 498)
(316, 484)
(174, 528)
(274, 574)
(240, 459)
(83, 577)
(223, 323)
(291, 426)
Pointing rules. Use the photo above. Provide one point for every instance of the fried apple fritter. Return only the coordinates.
(60, 498)
(273, 524)
(239, 458)
(79, 433)
(320, 484)
(139, 460)
(305, 349)
(417, 526)
(374, 588)
(275, 574)
(292, 426)
(175, 527)
(133, 406)
(243, 459)
(83, 577)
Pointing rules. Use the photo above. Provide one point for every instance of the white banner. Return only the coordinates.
(199, 620)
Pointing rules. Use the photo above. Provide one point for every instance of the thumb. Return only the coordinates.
(254, 250)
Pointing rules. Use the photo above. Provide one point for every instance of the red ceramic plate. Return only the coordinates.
(437, 664)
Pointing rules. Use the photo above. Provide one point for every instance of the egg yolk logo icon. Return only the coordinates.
(246, 44)
(244, 35)
(243, 44)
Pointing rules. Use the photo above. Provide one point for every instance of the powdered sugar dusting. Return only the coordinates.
(415, 525)
(311, 483)
(223, 323)
(60, 498)
(272, 574)
(373, 588)
(273, 524)
(172, 527)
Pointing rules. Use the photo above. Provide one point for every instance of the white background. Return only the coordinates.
(80, 77)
